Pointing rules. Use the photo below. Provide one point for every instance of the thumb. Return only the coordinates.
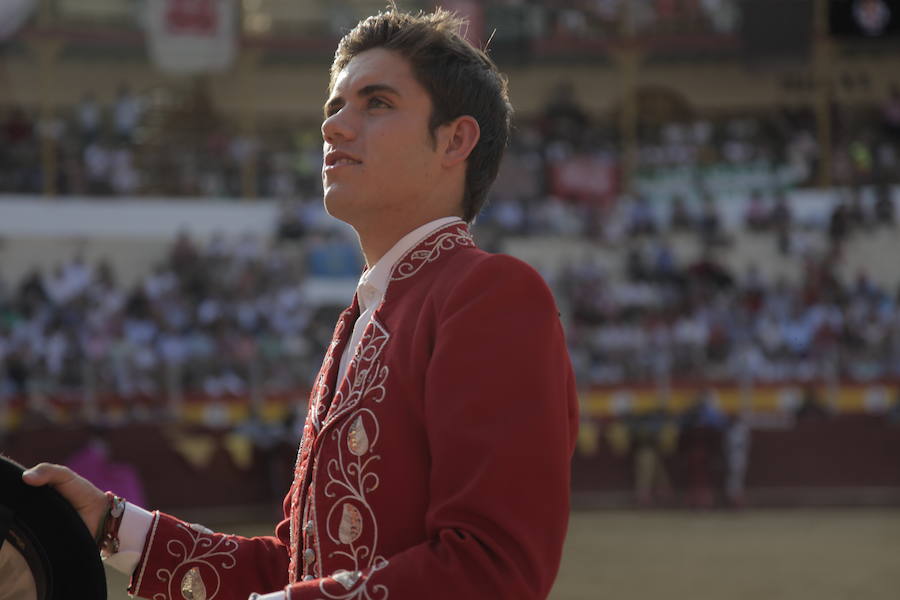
(34, 476)
(43, 474)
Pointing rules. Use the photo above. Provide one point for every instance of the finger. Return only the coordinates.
(47, 474)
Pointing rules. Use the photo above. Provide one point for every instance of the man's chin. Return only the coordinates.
(339, 206)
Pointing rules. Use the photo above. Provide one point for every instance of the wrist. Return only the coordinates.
(108, 532)
(101, 526)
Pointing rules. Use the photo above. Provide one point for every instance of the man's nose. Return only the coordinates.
(338, 127)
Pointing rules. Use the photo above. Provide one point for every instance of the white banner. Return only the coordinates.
(13, 14)
(191, 36)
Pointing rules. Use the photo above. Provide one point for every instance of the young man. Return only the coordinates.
(434, 461)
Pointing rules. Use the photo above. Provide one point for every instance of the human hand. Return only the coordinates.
(88, 500)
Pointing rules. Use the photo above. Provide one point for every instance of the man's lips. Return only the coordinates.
(342, 162)
(336, 158)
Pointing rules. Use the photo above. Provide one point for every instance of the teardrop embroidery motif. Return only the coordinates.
(351, 524)
(357, 439)
(192, 586)
(346, 578)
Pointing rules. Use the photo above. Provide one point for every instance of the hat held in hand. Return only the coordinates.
(46, 552)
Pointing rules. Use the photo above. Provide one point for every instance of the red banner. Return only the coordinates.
(191, 36)
(588, 179)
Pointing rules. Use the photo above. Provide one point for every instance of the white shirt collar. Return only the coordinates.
(373, 283)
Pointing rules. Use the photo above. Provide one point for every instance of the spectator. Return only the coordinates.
(782, 220)
(857, 213)
(680, 219)
(127, 113)
(89, 118)
(884, 206)
(563, 118)
(890, 112)
(701, 442)
(123, 176)
(756, 217)
(641, 219)
(811, 407)
(290, 221)
(839, 226)
(18, 128)
(653, 435)
(893, 413)
(709, 225)
(737, 455)
(98, 160)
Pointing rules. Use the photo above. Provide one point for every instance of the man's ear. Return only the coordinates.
(459, 137)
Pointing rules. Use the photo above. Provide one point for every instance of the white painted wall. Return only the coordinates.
(23, 216)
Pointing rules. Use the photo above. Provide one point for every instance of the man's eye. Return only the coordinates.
(375, 102)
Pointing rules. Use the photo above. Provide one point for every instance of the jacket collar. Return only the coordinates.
(373, 283)
(431, 247)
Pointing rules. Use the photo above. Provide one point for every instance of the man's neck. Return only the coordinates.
(376, 243)
(374, 247)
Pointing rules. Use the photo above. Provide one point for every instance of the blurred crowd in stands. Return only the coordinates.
(125, 149)
(231, 316)
(702, 321)
(560, 161)
(227, 319)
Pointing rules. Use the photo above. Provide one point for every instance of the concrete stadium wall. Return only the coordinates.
(131, 235)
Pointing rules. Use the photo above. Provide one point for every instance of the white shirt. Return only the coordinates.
(370, 291)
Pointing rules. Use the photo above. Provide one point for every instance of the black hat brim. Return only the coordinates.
(49, 533)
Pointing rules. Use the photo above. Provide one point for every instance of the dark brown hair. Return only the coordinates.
(459, 78)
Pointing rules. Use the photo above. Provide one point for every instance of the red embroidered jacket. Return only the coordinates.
(438, 468)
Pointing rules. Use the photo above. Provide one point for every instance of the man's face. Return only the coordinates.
(380, 161)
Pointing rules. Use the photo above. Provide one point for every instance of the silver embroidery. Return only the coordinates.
(214, 553)
(346, 578)
(314, 418)
(322, 390)
(350, 478)
(417, 259)
(351, 578)
(317, 567)
(368, 382)
(369, 376)
(200, 528)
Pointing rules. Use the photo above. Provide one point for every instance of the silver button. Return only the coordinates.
(309, 555)
(309, 527)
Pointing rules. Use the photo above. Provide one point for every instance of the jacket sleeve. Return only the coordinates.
(501, 417)
(187, 561)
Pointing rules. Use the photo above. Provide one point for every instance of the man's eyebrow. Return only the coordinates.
(376, 88)
(363, 92)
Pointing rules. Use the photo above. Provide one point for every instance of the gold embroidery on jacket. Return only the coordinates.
(214, 552)
(192, 587)
(351, 524)
(357, 440)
